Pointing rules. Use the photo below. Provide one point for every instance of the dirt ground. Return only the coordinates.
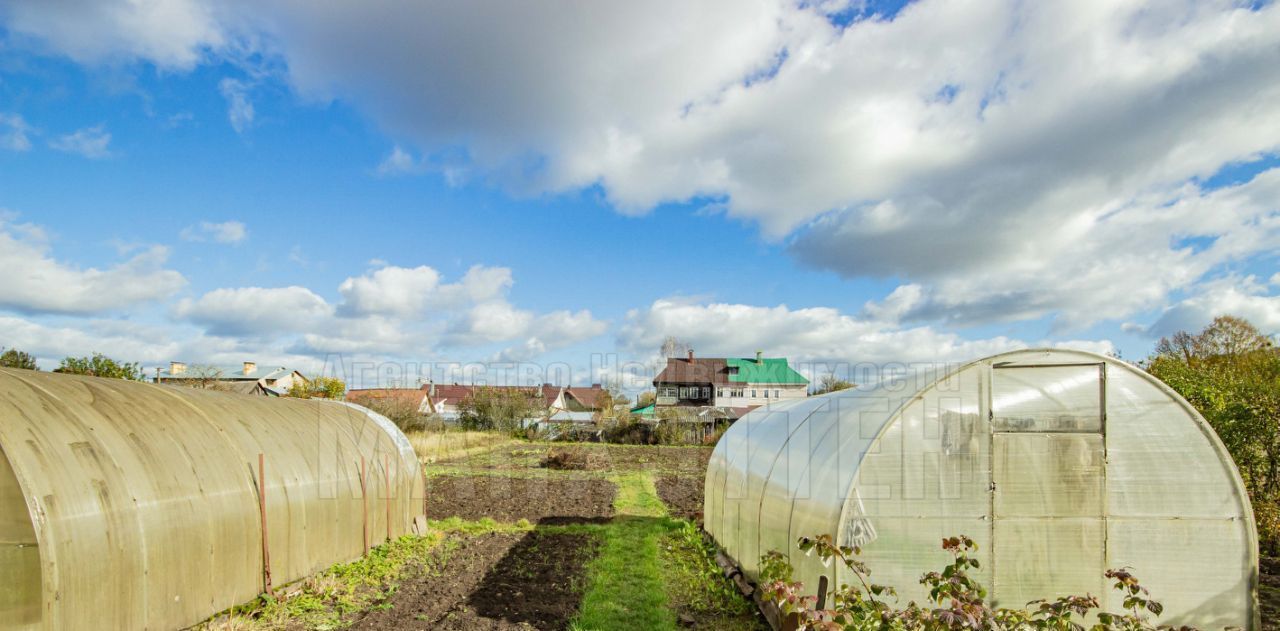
(493, 581)
(539, 500)
(682, 495)
(525, 460)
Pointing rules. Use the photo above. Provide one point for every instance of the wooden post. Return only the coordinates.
(262, 508)
(364, 499)
(386, 488)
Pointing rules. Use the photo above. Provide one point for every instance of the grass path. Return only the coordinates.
(627, 588)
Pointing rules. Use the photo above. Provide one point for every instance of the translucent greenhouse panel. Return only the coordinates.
(1199, 568)
(1163, 462)
(839, 440)
(782, 488)
(1048, 475)
(933, 460)
(1046, 558)
(20, 572)
(908, 548)
(1057, 398)
(768, 442)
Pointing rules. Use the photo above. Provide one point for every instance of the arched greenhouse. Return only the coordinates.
(135, 506)
(1059, 464)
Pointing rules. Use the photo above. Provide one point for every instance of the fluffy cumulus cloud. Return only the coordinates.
(391, 311)
(1245, 297)
(228, 232)
(1006, 160)
(169, 33)
(1002, 160)
(806, 335)
(255, 311)
(36, 282)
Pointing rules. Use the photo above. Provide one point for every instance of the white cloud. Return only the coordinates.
(229, 232)
(398, 162)
(1006, 160)
(255, 311)
(239, 107)
(90, 142)
(169, 33)
(1245, 297)
(13, 133)
(390, 290)
(35, 282)
(818, 334)
(392, 311)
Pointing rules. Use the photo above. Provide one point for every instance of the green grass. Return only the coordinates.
(323, 601)
(626, 587)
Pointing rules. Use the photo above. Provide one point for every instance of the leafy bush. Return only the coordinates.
(1230, 372)
(956, 601)
(100, 365)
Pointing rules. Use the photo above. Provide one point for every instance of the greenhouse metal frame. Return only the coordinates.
(1059, 464)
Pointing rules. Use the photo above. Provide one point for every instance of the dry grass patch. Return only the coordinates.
(438, 446)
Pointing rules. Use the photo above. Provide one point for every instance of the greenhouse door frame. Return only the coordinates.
(1048, 485)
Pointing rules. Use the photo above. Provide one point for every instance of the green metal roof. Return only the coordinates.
(647, 410)
(765, 370)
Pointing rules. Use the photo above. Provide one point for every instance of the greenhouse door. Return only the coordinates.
(1048, 481)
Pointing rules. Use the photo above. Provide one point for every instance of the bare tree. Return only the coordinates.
(673, 347)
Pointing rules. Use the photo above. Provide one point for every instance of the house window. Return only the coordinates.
(776, 394)
(706, 392)
(753, 394)
(766, 394)
(719, 392)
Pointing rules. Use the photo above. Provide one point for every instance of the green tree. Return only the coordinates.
(319, 388)
(100, 365)
(501, 409)
(831, 383)
(1230, 372)
(14, 358)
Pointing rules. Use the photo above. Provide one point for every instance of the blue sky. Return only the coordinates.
(215, 182)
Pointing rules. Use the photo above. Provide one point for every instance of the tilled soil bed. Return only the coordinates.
(682, 495)
(494, 581)
(539, 500)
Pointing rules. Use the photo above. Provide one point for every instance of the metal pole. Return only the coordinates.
(262, 507)
(364, 500)
(386, 488)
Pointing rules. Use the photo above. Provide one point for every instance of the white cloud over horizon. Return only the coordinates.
(998, 161)
(35, 282)
(993, 155)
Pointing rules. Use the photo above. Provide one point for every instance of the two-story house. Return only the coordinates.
(726, 388)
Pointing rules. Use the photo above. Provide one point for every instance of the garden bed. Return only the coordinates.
(682, 495)
(532, 580)
(506, 499)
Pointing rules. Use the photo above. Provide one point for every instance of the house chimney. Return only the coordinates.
(759, 357)
(177, 368)
(691, 356)
(250, 367)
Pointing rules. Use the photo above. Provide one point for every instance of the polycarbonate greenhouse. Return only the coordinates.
(135, 506)
(1059, 464)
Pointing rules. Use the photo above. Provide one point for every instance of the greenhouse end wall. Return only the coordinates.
(1059, 464)
(135, 506)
